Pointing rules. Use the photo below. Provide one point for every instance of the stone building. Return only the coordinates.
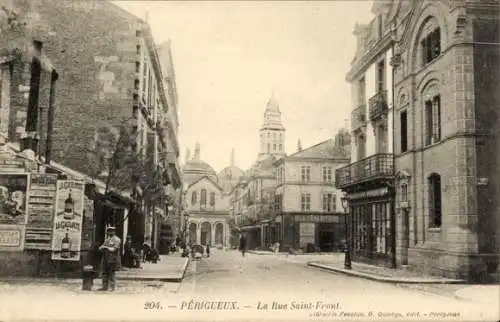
(446, 136)
(252, 199)
(206, 205)
(122, 85)
(445, 146)
(309, 212)
(368, 180)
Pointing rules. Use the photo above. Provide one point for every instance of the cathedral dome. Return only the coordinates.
(195, 168)
(230, 175)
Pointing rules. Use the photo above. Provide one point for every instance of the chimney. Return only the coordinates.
(197, 152)
(299, 146)
(232, 157)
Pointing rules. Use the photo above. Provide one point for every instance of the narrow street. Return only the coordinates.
(227, 276)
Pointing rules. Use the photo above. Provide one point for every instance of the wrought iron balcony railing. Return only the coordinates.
(378, 105)
(377, 166)
(358, 117)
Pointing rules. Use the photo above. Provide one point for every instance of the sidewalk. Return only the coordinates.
(487, 294)
(380, 274)
(170, 268)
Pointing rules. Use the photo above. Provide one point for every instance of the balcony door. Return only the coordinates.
(382, 138)
(360, 147)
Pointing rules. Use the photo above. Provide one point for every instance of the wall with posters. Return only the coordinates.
(13, 205)
(68, 220)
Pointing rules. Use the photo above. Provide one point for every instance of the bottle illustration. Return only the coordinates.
(66, 246)
(69, 207)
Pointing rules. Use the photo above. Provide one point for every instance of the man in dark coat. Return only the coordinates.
(111, 259)
(243, 244)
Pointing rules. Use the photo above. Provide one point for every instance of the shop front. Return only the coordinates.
(373, 226)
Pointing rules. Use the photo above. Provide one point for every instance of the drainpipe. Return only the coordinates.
(393, 206)
(50, 119)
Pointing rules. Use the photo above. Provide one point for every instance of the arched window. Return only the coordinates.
(212, 199)
(430, 41)
(435, 207)
(432, 111)
(203, 197)
(193, 197)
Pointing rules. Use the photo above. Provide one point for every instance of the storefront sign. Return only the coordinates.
(67, 233)
(11, 238)
(13, 190)
(381, 192)
(318, 218)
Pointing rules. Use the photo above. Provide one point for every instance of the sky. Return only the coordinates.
(229, 58)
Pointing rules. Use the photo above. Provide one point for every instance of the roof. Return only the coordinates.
(323, 150)
(230, 171)
(204, 177)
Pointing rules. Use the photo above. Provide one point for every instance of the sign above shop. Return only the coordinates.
(375, 193)
(318, 218)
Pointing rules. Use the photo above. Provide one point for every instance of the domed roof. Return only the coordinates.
(230, 171)
(195, 168)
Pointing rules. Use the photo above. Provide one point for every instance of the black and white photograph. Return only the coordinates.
(334, 160)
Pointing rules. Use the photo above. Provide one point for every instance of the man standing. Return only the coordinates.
(243, 244)
(110, 259)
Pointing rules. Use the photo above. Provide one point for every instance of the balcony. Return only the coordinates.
(376, 167)
(378, 105)
(358, 117)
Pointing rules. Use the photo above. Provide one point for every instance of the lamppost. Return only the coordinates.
(186, 221)
(347, 250)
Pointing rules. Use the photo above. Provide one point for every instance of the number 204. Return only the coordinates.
(152, 305)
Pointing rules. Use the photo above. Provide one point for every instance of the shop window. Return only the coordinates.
(193, 197)
(435, 207)
(305, 204)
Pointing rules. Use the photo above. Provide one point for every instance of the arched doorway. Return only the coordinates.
(192, 233)
(219, 234)
(206, 233)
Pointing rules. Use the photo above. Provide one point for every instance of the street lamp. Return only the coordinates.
(347, 250)
(186, 220)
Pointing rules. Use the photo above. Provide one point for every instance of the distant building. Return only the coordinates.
(229, 176)
(308, 209)
(252, 199)
(205, 203)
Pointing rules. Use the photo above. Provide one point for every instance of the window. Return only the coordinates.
(403, 119)
(360, 147)
(381, 76)
(431, 46)
(268, 147)
(281, 148)
(329, 202)
(212, 198)
(433, 120)
(327, 174)
(362, 91)
(203, 197)
(193, 197)
(306, 173)
(274, 147)
(404, 192)
(435, 213)
(305, 202)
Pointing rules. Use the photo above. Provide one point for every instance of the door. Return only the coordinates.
(406, 237)
(203, 238)
(326, 238)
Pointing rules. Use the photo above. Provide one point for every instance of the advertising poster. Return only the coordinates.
(41, 208)
(68, 219)
(13, 191)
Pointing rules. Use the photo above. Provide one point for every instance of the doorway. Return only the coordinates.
(326, 237)
(406, 237)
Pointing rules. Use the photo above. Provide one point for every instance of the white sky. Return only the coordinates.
(230, 56)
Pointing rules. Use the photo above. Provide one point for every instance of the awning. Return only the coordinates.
(249, 227)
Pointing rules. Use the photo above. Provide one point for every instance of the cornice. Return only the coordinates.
(369, 57)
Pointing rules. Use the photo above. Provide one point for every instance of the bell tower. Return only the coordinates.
(272, 131)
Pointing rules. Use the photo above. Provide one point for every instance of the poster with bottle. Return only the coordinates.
(67, 235)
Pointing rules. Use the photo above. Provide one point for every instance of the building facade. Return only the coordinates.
(446, 141)
(206, 205)
(308, 209)
(439, 189)
(252, 199)
(368, 180)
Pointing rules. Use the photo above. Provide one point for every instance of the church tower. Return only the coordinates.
(272, 132)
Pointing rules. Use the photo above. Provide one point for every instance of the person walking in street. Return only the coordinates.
(208, 250)
(111, 259)
(243, 245)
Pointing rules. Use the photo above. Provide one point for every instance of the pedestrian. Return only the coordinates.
(243, 244)
(208, 250)
(110, 259)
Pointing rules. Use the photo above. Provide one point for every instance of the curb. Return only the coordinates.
(176, 279)
(392, 280)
